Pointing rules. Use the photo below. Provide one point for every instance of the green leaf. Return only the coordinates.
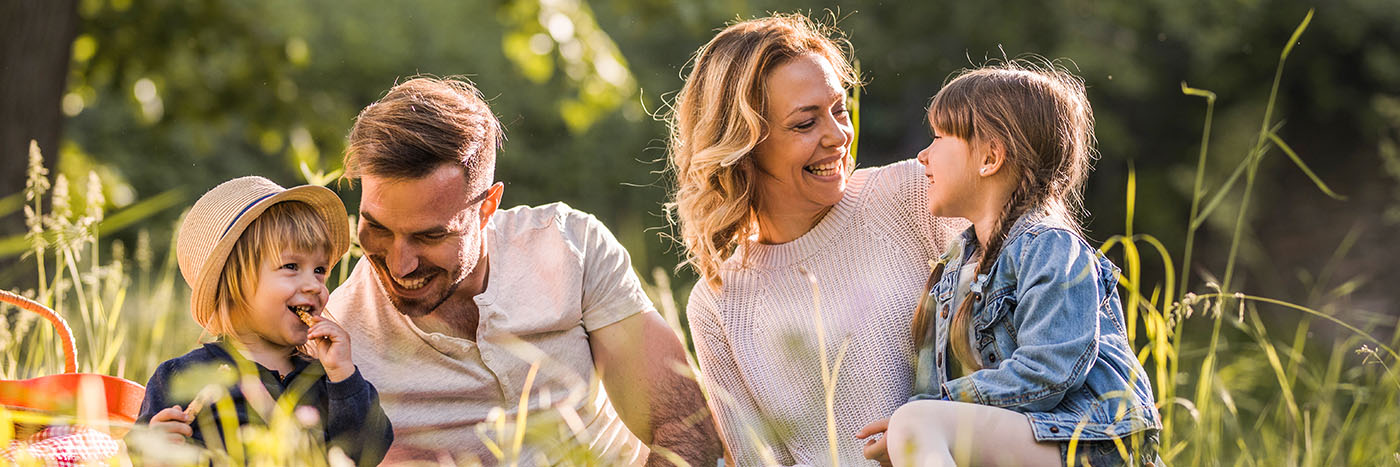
(1299, 161)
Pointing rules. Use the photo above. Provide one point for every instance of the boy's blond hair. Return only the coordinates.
(286, 225)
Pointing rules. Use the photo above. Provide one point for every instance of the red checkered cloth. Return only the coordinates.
(62, 446)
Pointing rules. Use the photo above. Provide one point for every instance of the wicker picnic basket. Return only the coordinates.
(112, 403)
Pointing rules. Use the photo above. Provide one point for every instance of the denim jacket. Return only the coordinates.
(1047, 328)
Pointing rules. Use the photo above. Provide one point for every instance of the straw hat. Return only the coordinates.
(218, 219)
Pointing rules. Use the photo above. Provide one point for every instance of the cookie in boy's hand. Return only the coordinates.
(305, 317)
(205, 397)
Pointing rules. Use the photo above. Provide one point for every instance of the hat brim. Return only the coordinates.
(321, 199)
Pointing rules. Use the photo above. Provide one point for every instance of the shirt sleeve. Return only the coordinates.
(157, 397)
(611, 289)
(746, 434)
(1058, 293)
(355, 422)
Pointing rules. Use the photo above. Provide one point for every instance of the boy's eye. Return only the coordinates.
(291, 266)
(320, 270)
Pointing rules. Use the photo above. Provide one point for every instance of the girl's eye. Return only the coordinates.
(291, 266)
(320, 269)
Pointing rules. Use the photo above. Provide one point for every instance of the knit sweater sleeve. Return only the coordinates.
(747, 437)
(157, 393)
(355, 422)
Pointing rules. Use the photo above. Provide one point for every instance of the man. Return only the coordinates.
(461, 313)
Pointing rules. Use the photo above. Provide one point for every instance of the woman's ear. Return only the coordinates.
(992, 158)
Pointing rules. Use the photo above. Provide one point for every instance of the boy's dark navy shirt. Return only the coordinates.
(349, 409)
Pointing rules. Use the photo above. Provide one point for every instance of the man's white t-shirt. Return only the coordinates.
(555, 275)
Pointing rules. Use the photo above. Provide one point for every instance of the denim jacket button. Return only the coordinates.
(992, 358)
(945, 311)
(940, 358)
(1054, 429)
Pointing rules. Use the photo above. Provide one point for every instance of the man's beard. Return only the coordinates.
(417, 307)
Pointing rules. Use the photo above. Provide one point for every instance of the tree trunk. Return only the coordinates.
(34, 54)
(36, 39)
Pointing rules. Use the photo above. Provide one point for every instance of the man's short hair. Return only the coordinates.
(422, 124)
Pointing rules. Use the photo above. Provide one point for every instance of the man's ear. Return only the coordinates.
(492, 201)
(993, 158)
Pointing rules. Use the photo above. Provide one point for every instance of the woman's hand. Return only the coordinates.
(173, 421)
(332, 348)
(876, 449)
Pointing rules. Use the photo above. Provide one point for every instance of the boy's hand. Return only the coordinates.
(173, 420)
(876, 449)
(332, 347)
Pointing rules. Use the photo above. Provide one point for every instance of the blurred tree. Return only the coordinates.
(34, 57)
(188, 93)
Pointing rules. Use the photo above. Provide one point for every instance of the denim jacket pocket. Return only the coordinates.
(999, 307)
(1083, 403)
(995, 335)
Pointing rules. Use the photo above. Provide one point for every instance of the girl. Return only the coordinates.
(256, 256)
(1023, 357)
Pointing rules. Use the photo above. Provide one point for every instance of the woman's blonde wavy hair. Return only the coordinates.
(716, 121)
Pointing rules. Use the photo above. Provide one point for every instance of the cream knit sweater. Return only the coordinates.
(757, 340)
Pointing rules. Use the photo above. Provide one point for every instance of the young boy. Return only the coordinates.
(256, 258)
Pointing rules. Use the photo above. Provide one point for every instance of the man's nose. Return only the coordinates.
(402, 258)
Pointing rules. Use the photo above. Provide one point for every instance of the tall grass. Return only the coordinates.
(1255, 399)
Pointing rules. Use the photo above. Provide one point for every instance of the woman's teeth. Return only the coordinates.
(826, 169)
(411, 284)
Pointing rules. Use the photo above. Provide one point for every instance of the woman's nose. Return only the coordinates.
(837, 135)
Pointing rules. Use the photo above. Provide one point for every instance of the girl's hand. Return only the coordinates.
(876, 449)
(173, 421)
(332, 347)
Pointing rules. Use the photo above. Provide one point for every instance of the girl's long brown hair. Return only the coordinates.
(1039, 114)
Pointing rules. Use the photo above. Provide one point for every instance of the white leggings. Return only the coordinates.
(942, 433)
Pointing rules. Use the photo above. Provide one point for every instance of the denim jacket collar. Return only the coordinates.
(967, 244)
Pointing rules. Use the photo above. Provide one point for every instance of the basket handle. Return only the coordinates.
(70, 352)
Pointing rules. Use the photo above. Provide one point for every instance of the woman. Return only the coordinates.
(798, 253)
